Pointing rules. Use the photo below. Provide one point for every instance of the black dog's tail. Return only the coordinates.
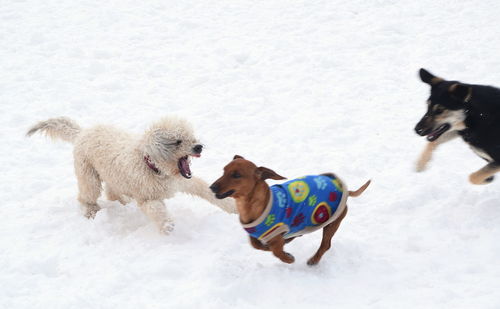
(360, 190)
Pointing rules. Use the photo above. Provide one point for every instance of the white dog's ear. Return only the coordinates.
(161, 146)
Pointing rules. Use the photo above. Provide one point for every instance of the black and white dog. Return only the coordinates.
(470, 111)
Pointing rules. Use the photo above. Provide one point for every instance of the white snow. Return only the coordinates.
(298, 86)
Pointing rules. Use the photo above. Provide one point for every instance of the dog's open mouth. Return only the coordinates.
(224, 195)
(184, 169)
(434, 135)
(183, 165)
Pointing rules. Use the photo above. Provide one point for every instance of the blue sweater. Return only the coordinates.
(300, 206)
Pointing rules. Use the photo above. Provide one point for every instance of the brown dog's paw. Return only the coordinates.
(288, 258)
(313, 261)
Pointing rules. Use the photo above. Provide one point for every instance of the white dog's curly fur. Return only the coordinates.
(148, 169)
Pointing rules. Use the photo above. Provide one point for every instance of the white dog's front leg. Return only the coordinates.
(157, 212)
(198, 187)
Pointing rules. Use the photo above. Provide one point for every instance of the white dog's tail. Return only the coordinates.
(61, 127)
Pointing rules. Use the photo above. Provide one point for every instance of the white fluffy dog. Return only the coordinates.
(147, 168)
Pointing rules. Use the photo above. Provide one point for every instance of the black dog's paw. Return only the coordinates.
(477, 179)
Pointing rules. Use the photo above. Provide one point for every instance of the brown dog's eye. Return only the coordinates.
(178, 142)
(236, 175)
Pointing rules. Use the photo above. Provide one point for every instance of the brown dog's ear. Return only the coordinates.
(237, 157)
(264, 173)
(461, 92)
(428, 78)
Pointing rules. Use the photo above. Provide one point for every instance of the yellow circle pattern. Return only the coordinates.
(323, 210)
(299, 190)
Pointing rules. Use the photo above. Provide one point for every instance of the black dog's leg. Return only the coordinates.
(485, 174)
(430, 147)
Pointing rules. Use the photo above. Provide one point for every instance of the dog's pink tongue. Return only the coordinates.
(434, 135)
(184, 167)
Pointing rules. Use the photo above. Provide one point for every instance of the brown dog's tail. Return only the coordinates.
(62, 127)
(360, 190)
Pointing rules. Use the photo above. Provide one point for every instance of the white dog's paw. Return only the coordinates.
(91, 211)
(124, 200)
(167, 227)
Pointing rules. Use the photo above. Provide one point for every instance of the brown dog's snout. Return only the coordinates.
(215, 187)
(219, 192)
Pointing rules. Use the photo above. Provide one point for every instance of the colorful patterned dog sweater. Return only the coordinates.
(300, 206)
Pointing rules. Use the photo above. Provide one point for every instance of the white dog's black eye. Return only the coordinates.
(178, 142)
(235, 174)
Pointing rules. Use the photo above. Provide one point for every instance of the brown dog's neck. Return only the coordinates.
(250, 207)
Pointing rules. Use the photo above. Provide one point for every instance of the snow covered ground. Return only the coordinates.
(298, 86)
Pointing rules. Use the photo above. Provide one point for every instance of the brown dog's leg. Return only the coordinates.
(260, 246)
(276, 246)
(328, 232)
(257, 244)
(480, 177)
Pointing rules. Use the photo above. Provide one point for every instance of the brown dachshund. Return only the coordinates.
(275, 215)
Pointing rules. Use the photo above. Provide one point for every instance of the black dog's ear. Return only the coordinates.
(237, 157)
(264, 173)
(428, 78)
(460, 92)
